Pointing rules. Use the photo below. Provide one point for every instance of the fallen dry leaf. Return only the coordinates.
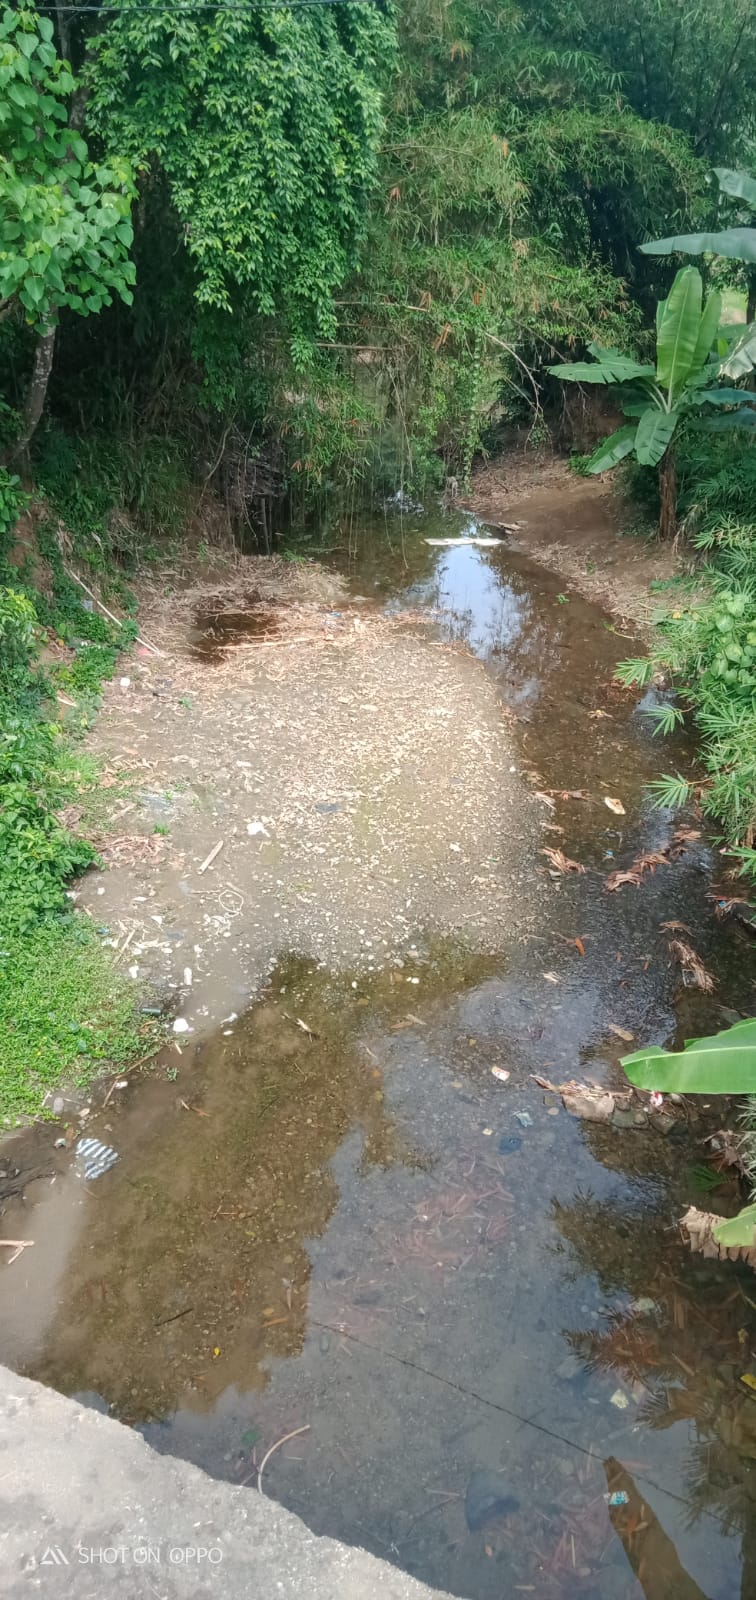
(622, 1033)
(647, 861)
(559, 860)
(552, 977)
(614, 805)
(597, 714)
(579, 946)
(697, 1227)
(694, 972)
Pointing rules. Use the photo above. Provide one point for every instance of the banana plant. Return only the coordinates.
(722, 1063)
(657, 398)
(735, 244)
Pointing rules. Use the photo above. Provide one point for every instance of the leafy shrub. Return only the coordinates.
(707, 649)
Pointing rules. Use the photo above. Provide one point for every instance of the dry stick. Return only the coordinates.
(19, 1245)
(277, 1446)
(116, 620)
(208, 861)
(132, 1068)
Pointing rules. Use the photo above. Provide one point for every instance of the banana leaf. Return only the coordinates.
(738, 244)
(613, 449)
(723, 1063)
(655, 431)
(739, 184)
(741, 357)
(744, 417)
(612, 369)
(677, 336)
(707, 332)
(718, 397)
(737, 1232)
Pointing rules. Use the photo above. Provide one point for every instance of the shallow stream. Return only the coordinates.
(332, 1219)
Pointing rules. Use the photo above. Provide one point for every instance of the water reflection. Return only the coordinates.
(338, 1218)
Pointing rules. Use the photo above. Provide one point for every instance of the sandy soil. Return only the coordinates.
(573, 526)
(356, 774)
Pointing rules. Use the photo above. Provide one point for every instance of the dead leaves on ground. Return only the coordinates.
(698, 1229)
(649, 860)
(559, 860)
(695, 974)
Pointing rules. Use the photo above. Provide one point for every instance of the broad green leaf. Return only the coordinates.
(655, 431)
(739, 184)
(738, 244)
(739, 1231)
(723, 1063)
(677, 337)
(717, 397)
(617, 369)
(707, 332)
(744, 417)
(741, 357)
(613, 449)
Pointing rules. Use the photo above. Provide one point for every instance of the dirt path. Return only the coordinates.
(574, 526)
(355, 773)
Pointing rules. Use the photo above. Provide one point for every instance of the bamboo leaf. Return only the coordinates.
(613, 449)
(724, 1063)
(678, 333)
(655, 431)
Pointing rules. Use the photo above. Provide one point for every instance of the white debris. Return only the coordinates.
(181, 1025)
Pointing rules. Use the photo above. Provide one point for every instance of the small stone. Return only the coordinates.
(58, 1105)
(570, 1368)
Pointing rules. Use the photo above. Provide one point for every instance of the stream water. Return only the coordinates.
(473, 1312)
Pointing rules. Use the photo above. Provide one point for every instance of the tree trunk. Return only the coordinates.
(667, 496)
(751, 302)
(35, 399)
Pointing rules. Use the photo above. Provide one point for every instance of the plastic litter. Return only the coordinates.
(500, 1073)
(620, 1400)
(181, 1025)
(524, 1118)
(94, 1158)
(619, 1498)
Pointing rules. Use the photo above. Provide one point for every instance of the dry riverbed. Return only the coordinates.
(295, 771)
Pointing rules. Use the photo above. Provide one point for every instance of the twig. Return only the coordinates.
(82, 585)
(17, 1246)
(208, 861)
(132, 1068)
(277, 1446)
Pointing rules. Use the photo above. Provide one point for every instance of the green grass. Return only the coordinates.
(65, 1014)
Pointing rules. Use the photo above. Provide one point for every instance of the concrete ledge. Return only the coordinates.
(88, 1509)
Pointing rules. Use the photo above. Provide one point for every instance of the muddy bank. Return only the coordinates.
(574, 526)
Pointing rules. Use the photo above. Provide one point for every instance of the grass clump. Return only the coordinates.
(64, 1013)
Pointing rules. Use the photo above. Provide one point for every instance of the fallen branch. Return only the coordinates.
(119, 624)
(208, 861)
